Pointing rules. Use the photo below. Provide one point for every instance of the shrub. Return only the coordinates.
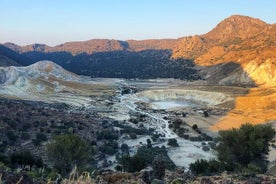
(150, 153)
(107, 134)
(205, 148)
(250, 143)
(132, 164)
(158, 166)
(206, 114)
(206, 167)
(242, 149)
(199, 167)
(133, 135)
(109, 147)
(173, 142)
(125, 148)
(24, 158)
(118, 168)
(68, 150)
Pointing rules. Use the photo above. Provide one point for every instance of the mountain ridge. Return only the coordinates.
(240, 39)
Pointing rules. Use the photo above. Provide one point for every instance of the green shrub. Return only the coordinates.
(241, 150)
(133, 135)
(173, 142)
(67, 151)
(248, 144)
(132, 164)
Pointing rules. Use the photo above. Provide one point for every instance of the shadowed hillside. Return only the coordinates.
(9, 58)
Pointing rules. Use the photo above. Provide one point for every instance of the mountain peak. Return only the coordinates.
(237, 26)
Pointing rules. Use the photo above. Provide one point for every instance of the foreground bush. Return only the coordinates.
(248, 145)
(67, 151)
(241, 150)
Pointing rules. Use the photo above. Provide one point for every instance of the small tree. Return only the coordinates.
(248, 145)
(242, 149)
(67, 151)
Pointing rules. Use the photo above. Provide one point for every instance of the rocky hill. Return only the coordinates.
(240, 50)
(44, 81)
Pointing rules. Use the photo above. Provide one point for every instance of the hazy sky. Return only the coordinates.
(57, 21)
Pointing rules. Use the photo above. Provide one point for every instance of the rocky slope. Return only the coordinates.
(48, 82)
(248, 42)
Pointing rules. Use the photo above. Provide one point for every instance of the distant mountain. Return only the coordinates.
(247, 42)
(8, 57)
(97, 45)
(230, 40)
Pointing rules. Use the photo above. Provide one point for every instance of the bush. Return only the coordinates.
(24, 158)
(133, 135)
(240, 150)
(240, 147)
(205, 167)
(158, 166)
(205, 148)
(173, 142)
(149, 154)
(109, 147)
(68, 150)
(125, 148)
(206, 114)
(107, 134)
(118, 168)
(132, 164)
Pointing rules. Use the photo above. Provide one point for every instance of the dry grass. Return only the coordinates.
(74, 178)
(85, 178)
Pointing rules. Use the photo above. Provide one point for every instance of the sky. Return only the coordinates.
(55, 22)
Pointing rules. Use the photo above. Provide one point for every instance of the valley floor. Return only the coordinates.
(159, 104)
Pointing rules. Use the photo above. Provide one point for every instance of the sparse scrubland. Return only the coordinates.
(48, 149)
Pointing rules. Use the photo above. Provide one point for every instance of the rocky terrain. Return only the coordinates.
(211, 82)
